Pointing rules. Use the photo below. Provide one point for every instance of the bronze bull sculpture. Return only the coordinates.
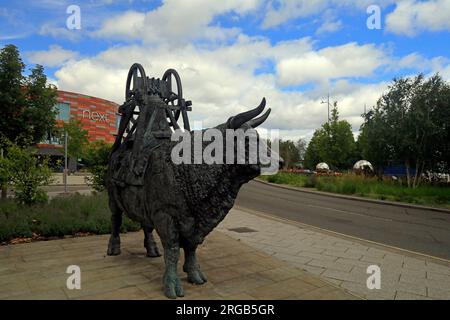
(182, 202)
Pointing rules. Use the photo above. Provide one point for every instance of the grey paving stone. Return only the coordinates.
(437, 268)
(348, 255)
(292, 258)
(341, 275)
(330, 265)
(409, 296)
(438, 277)
(331, 256)
(353, 262)
(312, 269)
(441, 294)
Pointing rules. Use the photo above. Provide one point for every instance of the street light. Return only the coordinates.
(65, 160)
(328, 103)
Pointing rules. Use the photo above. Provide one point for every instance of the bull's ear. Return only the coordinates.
(258, 121)
(238, 120)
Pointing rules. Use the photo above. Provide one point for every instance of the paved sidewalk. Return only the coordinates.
(341, 260)
(235, 271)
(72, 179)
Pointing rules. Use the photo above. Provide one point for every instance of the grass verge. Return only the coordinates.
(60, 217)
(436, 196)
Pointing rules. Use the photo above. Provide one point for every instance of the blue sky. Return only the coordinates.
(232, 53)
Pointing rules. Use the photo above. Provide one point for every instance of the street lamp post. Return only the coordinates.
(328, 103)
(65, 160)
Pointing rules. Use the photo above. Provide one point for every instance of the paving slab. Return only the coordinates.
(343, 261)
(235, 271)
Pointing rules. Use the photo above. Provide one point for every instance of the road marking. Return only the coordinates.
(268, 216)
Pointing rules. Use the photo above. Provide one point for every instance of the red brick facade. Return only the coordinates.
(98, 116)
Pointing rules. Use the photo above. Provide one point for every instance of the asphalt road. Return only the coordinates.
(418, 230)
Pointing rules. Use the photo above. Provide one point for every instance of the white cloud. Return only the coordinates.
(53, 57)
(176, 22)
(411, 17)
(349, 60)
(125, 25)
(329, 26)
(291, 9)
(222, 82)
(59, 32)
(279, 12)
(226, 78)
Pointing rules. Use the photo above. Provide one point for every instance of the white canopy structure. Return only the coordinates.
(363, 165)
(322, 167)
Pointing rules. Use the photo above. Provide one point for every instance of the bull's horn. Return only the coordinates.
(258, 121)
(238, 120)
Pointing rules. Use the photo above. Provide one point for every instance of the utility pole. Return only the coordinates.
(65, 161)
(328, 103)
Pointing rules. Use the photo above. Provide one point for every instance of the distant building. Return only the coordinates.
(98, 116)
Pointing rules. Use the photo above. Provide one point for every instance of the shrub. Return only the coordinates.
(61, 216)
(348, 187)
(97, 158)
(368, 187)
(310, 182)
(26, 174)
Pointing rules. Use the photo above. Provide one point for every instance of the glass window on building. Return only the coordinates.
(63, 111)
(118, 117)
(51, 138)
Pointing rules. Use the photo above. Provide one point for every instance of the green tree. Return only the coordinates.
(333, 143)
(12, 102)
(410, 124)
(314, 153)
(12, 95)
(77, 138)
(301, 145)
(373, 142)
(26, 103)
(41, 99)
(97, 158)
(26, 174)
(289, 153)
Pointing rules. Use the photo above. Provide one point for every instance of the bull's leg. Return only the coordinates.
(149, 243)
(168, 233)
(172, 284)
(191, 266)
(116, 221)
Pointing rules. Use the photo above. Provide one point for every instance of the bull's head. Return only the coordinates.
(258, 155)
(234, 144)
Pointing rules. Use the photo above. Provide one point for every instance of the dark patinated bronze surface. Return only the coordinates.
(182, 202)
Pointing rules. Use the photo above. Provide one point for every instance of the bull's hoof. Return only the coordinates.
(195, 276)
(172, 286)
(152, 250)
(113, 247)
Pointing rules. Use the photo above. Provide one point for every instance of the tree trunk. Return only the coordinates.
(416, 174)
(419, 179)
(380, 174)
(408, 177)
